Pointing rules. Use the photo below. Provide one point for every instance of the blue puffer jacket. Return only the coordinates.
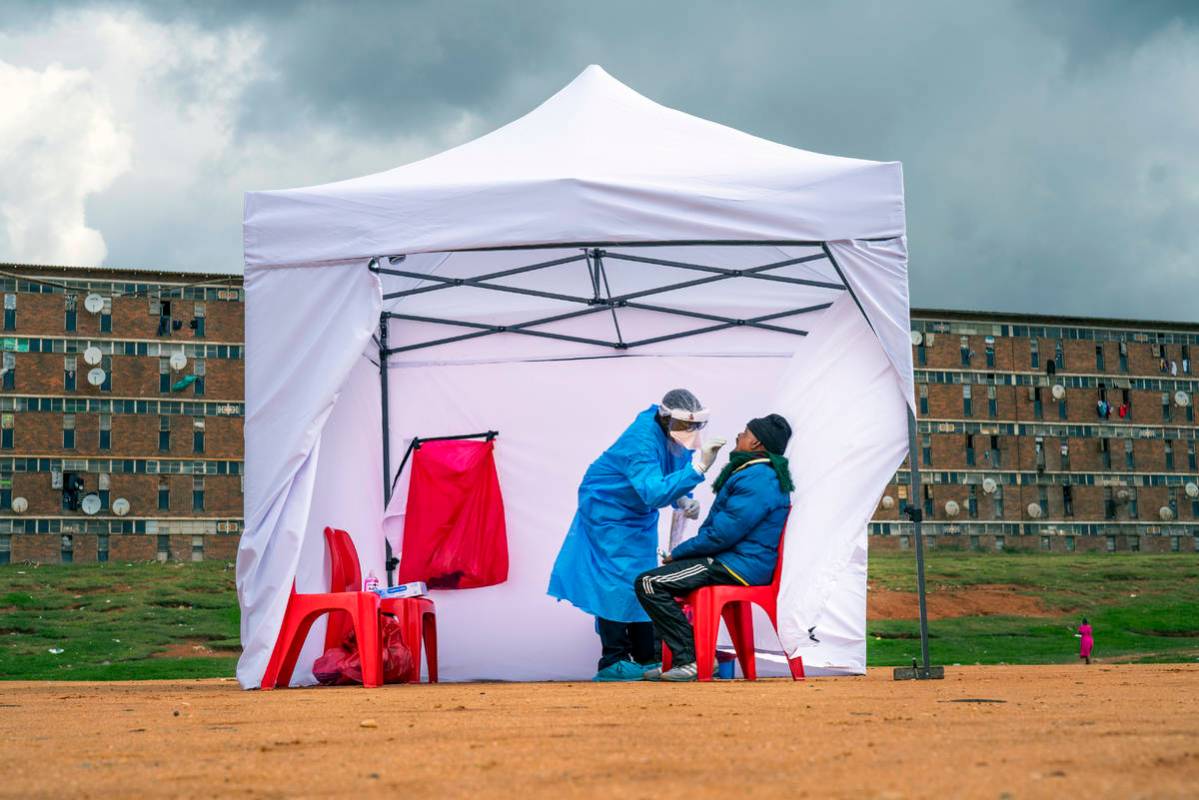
(743, 528)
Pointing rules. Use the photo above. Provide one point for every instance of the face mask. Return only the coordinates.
(688, 439)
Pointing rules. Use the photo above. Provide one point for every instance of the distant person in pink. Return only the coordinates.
(1084, 647)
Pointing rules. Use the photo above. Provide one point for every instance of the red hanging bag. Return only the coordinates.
(454, 532)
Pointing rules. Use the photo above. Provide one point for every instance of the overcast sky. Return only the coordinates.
(1050, 147)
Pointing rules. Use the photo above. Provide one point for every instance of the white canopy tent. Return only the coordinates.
(548, 281)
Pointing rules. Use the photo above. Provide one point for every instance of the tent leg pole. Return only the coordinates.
(389, 562)
(926, 671)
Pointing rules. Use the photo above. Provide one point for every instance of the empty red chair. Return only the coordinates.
(360, 608)
(417, 615)
(735, 604)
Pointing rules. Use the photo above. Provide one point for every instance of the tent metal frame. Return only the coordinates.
(602, 300)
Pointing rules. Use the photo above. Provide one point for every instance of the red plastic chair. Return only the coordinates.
(735, 605)
(417, 615)
(361, 609)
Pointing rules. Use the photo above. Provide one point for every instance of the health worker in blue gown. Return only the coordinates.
(654, 464)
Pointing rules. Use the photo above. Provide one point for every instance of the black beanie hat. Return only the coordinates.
(772, 431)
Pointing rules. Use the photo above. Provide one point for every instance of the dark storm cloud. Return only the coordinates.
(1047, 146)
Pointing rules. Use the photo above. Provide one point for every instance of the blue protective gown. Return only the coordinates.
(614, 535)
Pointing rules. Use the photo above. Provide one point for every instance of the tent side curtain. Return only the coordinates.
(305, 329)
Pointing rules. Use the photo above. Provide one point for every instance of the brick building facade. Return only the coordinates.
(122, 385)
(1052, 433)
(121, 411)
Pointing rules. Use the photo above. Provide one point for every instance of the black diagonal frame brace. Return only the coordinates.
(601, 298)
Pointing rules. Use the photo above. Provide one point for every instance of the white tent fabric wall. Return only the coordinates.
(313, 438)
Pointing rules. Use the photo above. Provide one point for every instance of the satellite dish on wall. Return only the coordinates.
(120, 506)
(20, 505)
(1192, 489)
(178, 360)
(1058, 391)
(92, 355)
(1181, 398)
(888, 501)
(96, 376)
(90, 504)
(1034, 510)
(917, 338)
(952, 508)
(94, 303)
(989, 485)
(1166, 513)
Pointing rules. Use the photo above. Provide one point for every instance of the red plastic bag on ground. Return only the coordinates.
(342, 665)
(454, 532)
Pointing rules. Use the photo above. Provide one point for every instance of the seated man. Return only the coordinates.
(737, 544)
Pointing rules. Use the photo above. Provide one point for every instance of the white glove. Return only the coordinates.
(689, 506)
(706, 456)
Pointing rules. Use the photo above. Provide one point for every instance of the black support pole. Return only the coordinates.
(385, 415)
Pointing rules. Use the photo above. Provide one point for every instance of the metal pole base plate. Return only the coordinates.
(919, 673)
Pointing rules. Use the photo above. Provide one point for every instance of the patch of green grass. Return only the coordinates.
(114, 621)
(1143, 607)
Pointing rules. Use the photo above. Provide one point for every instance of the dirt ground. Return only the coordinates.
(980, 600)
(1052, 731)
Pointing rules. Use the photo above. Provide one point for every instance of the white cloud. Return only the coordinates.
(60, 141)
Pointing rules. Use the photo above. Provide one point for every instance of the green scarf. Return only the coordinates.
(739, 458)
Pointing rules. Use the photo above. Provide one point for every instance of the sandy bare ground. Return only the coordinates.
(1099, 731)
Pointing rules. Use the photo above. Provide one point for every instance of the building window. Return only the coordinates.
(68, 549)
(197, 548)
(1133, 508)
(1191, 459)
(102, 547)
(10, 312)
(1109, 503)
(197, 323)
(1038, 407)
(164, 495)
(926, 450)
(198, 435)
(68, 431)
(106, 316)
(1190, 411)
(1065, 454)
(1134, 544)
(990, 354)
(967, 403)
(972, 502)
(994, 454)
(1169, 453)
(5, 548)
(1186, 359)
(10, 370)
(164, 376)
(999, 541)
(1111, 544)
(164, 316)
(72, 314)
(1046, 543)
(997, 503)
(1123, 356)
(923, 392)
(1062, 410)
(6, 431)
(164, 547)
(970, 449)
(1069, 544)
(921, 354)
(103, 491)
(992, 402)
(928, 501)
(1059, 356)
(1068, 500)
(966, 351)
(1129, 459)
(106, 365)
(164, 434)
(200, 370)
(1175, 544)
(1038, 449)
(1099, 358)
(1167, 409)
(197, 494)
(106, 431)
(1105, 452)
(1043, 499)
(69, 365)
(1034, 354)
(902, 493)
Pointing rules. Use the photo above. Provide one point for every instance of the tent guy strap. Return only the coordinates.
(602, 298)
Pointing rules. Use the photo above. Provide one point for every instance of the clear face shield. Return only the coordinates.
(684, 426)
